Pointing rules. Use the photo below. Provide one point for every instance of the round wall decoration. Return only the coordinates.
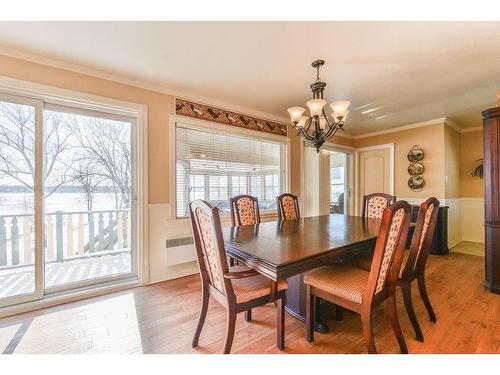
(416, 183)
(416, 168)
(415, 154)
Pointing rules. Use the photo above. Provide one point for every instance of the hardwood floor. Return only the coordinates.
(471, 248)
(161, 318)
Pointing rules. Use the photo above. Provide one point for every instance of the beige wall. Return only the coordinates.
(431, 139)
(160, 107)
(452, 162)
(471, 149)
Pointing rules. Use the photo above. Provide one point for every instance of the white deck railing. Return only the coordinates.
(68, 235)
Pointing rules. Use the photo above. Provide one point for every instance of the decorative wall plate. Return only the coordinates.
(416, 183)
(416, 168)
(416, 154)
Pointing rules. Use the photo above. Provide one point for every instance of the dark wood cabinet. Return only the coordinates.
(491, 128)
(440, 239)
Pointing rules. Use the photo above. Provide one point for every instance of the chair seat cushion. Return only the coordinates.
(364, 261)
(253, 287)
(340, 280)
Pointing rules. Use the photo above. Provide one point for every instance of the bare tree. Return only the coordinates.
(83, 174)
(106, 146)
(87, 150)
(17, 147)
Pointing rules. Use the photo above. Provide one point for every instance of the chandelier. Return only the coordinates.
(316, 127)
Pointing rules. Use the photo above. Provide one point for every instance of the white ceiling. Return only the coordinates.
(405, 72)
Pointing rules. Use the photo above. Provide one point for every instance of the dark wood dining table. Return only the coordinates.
(287, 249)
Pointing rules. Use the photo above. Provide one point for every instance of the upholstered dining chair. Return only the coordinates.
(359, 290)
(288, 207)
(236, 288)
(244, 210)
(414, 262)
(374, 204)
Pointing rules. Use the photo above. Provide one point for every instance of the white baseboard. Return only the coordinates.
(175, 272)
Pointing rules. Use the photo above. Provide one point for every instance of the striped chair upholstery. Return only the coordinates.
(358, 290)
(344, 281)
(414, 261)
(253, 287)
(238, 289)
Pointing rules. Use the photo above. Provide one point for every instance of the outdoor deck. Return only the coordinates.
(21, 279)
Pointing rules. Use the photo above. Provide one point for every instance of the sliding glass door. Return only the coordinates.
(89, 197)
(68, 198)
(20, 200)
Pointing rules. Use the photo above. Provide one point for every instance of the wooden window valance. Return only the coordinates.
(222, 116)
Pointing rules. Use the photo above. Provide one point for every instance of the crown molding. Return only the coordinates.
(165, 89)
(452, 124)
(436, 121)
(344, 135)
(474, 129)
(138, 83)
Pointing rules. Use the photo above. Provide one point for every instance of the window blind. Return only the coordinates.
(215, 166)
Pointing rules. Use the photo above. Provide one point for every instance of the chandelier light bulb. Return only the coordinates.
(316, 106)
(302, 121)
(295, 113)
(339, 108)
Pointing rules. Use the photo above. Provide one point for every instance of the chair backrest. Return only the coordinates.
(209, 244)
(389, 249)
(422, 236)
(288, 207)
(374, 204)
(244, 210)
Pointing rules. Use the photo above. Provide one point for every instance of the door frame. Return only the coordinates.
(389, 146)
(42, 94)
(350, 172)
(38, 204)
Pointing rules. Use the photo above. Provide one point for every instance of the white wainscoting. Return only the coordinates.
(454, 221)
(168, 263)
(173, 262)
(472, 210)
(465, 218)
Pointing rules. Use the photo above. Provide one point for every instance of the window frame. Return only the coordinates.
(47, 95)
(196, 124)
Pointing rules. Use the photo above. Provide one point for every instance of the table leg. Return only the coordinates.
(319, 325)
(296, 303)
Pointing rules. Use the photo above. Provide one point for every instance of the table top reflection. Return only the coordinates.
(286, 248)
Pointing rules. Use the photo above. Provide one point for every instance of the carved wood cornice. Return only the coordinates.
(209, 113)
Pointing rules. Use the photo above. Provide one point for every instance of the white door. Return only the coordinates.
(21, 274)
(375, 172)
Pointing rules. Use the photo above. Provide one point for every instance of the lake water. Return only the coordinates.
(22, 203)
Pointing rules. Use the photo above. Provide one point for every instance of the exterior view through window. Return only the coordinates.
(17, 173)
(88, 196)
(338, 162)
(216, 166)
(87, 190)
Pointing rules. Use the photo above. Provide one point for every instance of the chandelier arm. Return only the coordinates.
(305, 134)
(307, 125)
(326, 118)
(333, 129)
